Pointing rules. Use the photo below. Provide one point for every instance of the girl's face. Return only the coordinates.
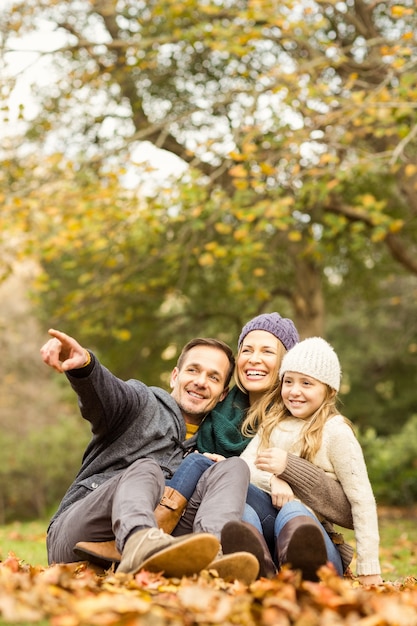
(257, 362)
(301, 394)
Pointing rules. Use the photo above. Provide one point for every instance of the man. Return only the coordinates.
(138, 434)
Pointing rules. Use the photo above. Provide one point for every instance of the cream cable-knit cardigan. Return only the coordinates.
(341, 456)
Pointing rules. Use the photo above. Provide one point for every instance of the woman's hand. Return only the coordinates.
(281, 492)
(214, 457)
(272, 460)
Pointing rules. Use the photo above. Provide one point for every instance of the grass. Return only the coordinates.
(398, 538)
(398, 531)
(26, 540)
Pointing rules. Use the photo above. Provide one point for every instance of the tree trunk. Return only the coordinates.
(307, 299)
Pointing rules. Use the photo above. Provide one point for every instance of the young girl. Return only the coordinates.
(300, 416)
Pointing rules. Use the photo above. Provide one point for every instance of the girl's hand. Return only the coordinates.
(214, 457)
(272, 460)
(281, 492)
(370, 579)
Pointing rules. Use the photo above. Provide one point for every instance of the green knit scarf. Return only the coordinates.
(220, 431)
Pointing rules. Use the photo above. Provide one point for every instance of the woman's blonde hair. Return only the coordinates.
(271, 410)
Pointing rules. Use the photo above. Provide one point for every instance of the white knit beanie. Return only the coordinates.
(316, 358)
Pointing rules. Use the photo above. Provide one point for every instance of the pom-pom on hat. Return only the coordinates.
(281, 327)
(316, 358)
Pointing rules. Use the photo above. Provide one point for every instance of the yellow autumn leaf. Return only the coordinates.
(327, 158)
(378, 235)
(240, 184)
(123, 334)
(222, 228)
(395, 301)
(400, 11)
(220, 252)
(238, 171)
(332, 183)
(239, 234)
(249, 147)
(206, 260)
(410, 169)
(367, 200)
(396, 226)
(236, 156)
(294, 235)
(267, 169)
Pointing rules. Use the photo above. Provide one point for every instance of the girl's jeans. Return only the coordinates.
(261, 513)
(259, 510)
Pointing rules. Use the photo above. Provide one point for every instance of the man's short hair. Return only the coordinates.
(212, 343)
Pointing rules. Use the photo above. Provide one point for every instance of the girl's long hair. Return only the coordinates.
(271, 411)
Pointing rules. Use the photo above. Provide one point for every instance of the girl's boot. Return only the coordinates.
(300, 544)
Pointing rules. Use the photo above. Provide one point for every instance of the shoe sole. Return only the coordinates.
(237, 537)
(241, 566)
(106, 561)
(307, 551)
(184, 558)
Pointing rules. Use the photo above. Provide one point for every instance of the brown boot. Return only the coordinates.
(300, 544)
(170, 509)
(102, 553)
(238, 536)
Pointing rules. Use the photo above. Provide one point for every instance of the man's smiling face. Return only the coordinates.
(200, 383)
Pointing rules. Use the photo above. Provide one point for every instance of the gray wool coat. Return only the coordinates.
(129, 421)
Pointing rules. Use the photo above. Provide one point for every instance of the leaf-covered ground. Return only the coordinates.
(78, 595)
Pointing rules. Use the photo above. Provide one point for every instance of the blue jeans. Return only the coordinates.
(261, 513)
(189, 473)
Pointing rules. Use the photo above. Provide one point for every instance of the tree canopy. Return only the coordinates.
(297, 122)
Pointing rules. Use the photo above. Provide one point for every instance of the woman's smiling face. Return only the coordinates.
(257, 362)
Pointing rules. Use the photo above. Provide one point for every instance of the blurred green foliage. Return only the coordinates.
(392, 464)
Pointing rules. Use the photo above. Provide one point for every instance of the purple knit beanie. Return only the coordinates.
(281, 327)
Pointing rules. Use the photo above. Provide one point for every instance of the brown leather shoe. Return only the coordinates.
(237, 536)
(241, 566)
(102, 553)
(153, 550)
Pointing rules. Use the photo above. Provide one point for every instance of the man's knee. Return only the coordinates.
(149, 467)
(231, 471)
(234, 467)
(236, 464)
